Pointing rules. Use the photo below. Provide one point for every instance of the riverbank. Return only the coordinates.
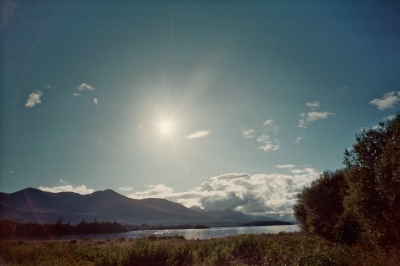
(263, 249)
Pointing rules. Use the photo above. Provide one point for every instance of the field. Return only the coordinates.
(265, 249)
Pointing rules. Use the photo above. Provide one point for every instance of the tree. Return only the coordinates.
(373, 180)
(320, 205)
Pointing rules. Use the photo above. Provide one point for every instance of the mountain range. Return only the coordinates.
(33, 205)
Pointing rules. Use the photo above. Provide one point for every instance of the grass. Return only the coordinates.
(265, 249)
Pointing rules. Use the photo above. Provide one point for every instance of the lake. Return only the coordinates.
(213, 232)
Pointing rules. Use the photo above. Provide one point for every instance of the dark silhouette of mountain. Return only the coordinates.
(33, 205)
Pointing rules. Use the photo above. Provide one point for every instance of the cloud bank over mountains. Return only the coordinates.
(251, 194)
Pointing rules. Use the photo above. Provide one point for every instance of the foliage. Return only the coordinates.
(373, 180)
(320, 205)
(11, 229)
(265, 249)
(359, 204)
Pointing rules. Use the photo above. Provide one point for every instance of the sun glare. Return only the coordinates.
(166, 127)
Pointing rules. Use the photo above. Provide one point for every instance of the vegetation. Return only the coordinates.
(359, 204)
(265, 249)
(11, 229)
(16, 230)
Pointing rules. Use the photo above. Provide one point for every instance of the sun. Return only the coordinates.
(166, 127)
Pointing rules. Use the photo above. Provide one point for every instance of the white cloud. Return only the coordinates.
(67, 188)
(96, 102)
(125, 188)
(199, 134)
(248, 134)
(390, 117)
(85, 87)
(285, 166)
(298, 139)
(312, 116)
(253, 194)
(314, 105)
(157, 191)
(389, 100)
(269, 125)
(307, 118)
(76, 94)
(268, 122)
(34, 98)
(268, 145)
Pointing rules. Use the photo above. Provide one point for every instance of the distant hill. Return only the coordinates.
(33, 205)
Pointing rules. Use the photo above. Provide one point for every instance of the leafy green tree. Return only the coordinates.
(320, 205)
(373, 180)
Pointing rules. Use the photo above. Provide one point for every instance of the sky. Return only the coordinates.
(214, 104)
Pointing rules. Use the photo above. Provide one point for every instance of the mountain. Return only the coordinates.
(33, 205)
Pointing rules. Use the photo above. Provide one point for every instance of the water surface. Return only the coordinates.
(213, 232)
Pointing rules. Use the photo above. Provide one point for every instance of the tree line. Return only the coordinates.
(361, 202)
(12, 229)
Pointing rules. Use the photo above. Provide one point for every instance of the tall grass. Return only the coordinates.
(266, 249)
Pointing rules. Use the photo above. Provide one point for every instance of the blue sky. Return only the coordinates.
(218, 105)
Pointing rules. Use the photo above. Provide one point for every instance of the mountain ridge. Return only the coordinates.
(34, 205)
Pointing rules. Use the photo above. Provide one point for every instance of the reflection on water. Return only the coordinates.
(213, 232)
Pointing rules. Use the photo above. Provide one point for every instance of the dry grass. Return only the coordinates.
(265, 249)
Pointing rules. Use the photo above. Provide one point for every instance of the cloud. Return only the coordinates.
(125, 188)
(389, 100)
(390, 117)
(312, 116)
(67, 188)
(33, 99)
(96, 102)
(85, 87)
(157, 191)
(298, 139)
(268, 122)
(314, 105)
(199, 134)
(284, 166)
(252, 194)
(268, 145)
(269, 125)
(76, 94)
(248, 134)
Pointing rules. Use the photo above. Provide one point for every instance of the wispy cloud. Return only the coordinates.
(389, 100)
(307, 118)
(125, 188)
(67, 188)
(390, 117)
(284, 166)
(268, 122)
(85, 87)
(253, 194)
(34, 98)
(248, 133)
(199, 134)
(268, 145)
(96, 102)
(298, 139)
(314, 105)
(76, 94)
(269, 125)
